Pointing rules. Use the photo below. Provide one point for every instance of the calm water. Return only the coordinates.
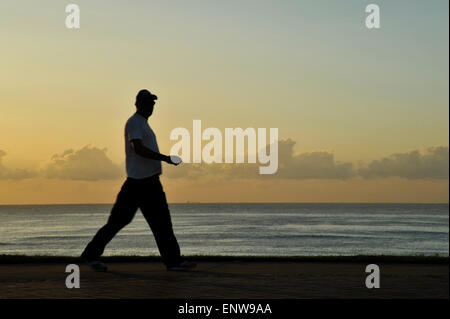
(237, 229)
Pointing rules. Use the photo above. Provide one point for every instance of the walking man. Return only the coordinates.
(142, 189)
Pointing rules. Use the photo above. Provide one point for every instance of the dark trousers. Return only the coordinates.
(148, 195)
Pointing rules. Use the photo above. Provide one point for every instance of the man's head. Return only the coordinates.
(145, 101)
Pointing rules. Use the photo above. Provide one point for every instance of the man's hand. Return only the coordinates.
(174, 160)
(141, 150)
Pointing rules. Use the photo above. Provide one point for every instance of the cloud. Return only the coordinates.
(313, 165)
(92, 164)
(432, 163)
(87, 164)
(14, 174)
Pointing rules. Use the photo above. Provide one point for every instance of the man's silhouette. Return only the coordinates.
(142, 189)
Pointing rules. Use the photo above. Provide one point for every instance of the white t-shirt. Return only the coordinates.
(138, 166)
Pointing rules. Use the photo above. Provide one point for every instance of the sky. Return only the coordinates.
(362, 114)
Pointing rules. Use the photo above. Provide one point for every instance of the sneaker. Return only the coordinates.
(97, 266)
(185, 265)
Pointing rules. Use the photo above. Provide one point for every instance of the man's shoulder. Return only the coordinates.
(134, 119)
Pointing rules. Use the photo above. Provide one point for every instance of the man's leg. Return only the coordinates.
(122, 214)
(154, 207)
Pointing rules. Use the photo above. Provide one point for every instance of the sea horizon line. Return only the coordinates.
(207, 203)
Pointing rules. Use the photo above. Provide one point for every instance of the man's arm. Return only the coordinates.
(141, 150)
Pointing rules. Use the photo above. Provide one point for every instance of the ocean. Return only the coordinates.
(297, 229)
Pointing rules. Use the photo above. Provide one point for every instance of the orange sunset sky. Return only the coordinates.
(362, 114)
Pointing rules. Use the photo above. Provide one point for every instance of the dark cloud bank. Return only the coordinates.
(92, 164)
(433, 163)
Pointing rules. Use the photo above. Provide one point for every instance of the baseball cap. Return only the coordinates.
(145, 95)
